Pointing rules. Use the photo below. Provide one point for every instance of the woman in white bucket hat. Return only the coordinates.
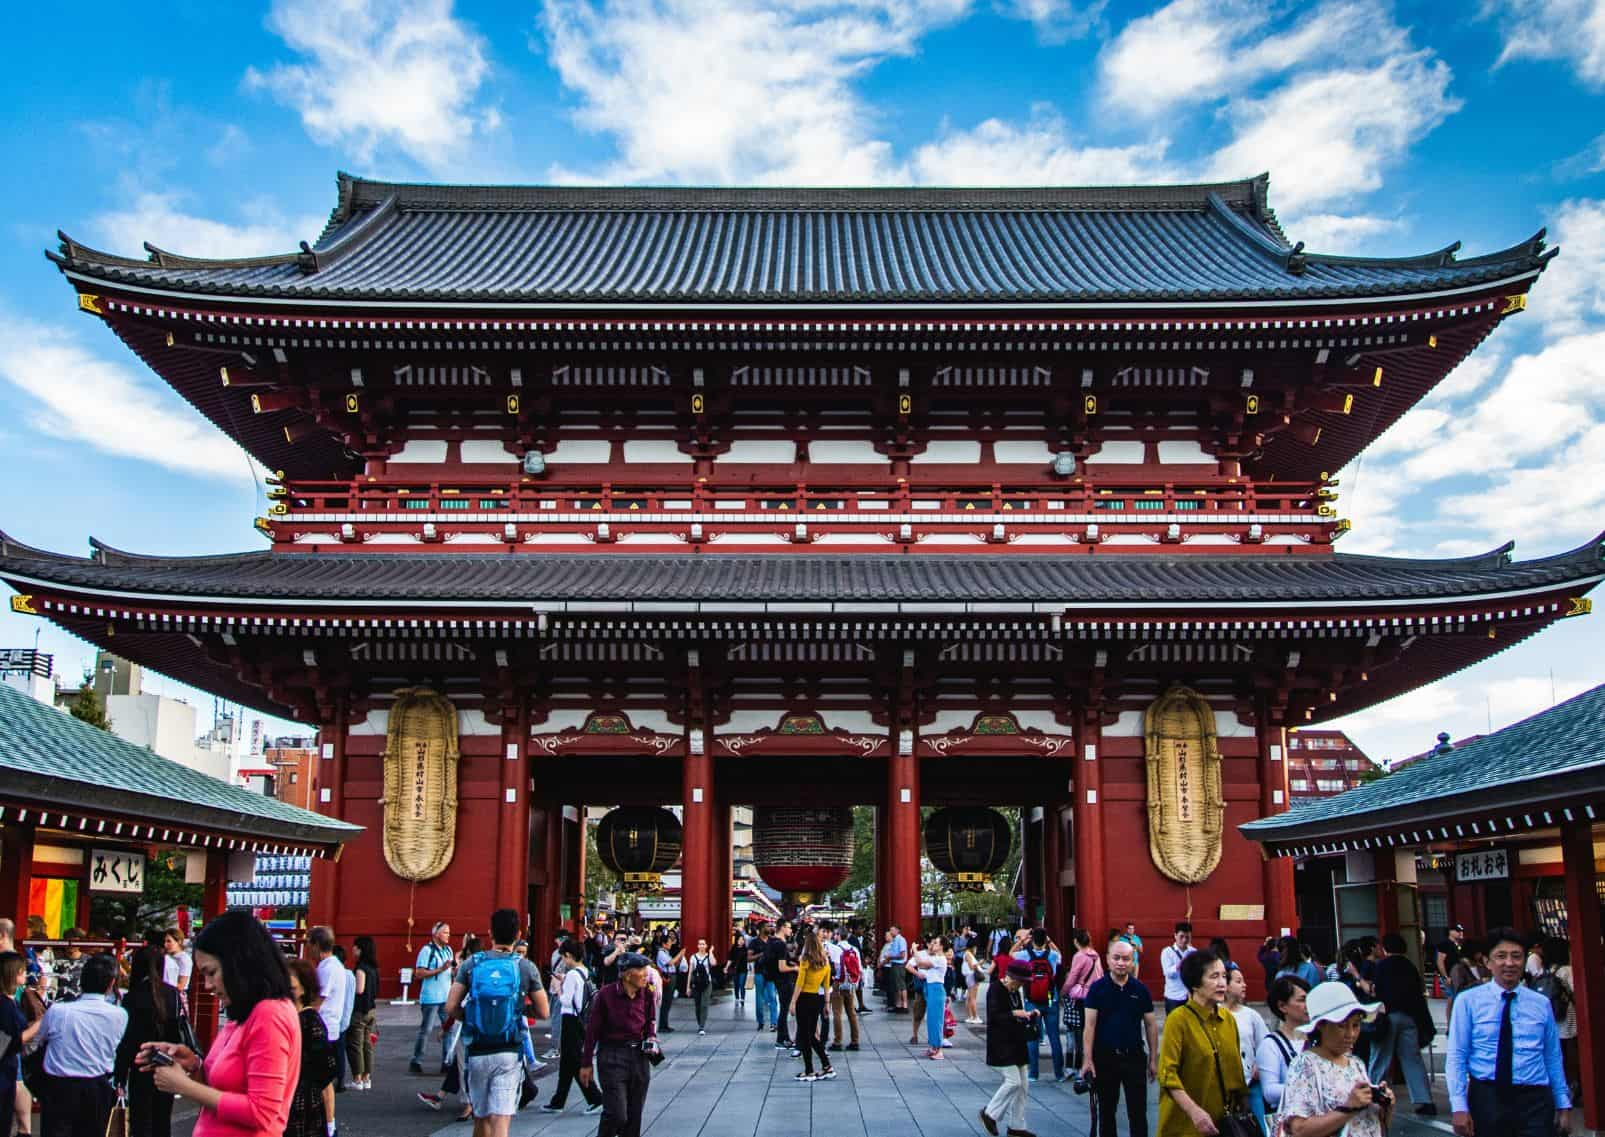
(1328, 1091)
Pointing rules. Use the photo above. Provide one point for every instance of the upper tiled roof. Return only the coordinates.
(50, 758)
(616, 246)
(1122, 579)
(1538, 756)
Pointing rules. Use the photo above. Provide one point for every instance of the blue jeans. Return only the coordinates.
(935, 1014)
(1047, 1021)
(765, 1002)
(426, 1012)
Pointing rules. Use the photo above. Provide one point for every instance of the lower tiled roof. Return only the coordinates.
(50, 758)
(1547, 756)
(526, 578)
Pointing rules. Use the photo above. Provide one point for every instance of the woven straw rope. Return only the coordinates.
(1180, 731)
(420, 819)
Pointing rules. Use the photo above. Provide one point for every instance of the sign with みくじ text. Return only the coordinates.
(1486, 864)
(116, 871)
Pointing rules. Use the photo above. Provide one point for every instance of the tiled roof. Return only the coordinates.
(610, 246)
(49, 758)
(1541, 757)
(527, 578)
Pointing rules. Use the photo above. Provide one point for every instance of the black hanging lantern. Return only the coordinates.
(639, 843)
(968, 843)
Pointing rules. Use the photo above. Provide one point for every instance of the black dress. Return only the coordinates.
(150, 1114)
(317, 1070)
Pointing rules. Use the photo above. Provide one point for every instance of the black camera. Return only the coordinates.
(1081, 1082)
(653, 1052)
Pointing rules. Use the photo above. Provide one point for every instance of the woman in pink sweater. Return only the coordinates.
(1086, 968)
(245, 1085)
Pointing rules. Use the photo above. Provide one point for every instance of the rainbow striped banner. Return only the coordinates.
(56, 901)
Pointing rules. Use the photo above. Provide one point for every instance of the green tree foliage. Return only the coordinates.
(598, 877)
(86, 706)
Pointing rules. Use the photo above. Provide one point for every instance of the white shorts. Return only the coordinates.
(494, 1081)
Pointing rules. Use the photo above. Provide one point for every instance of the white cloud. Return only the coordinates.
(161, 219)
(1563, 499)
(1328, 135)
(81, 397)
(1056, 20)
(1571, 296)
(1037, 152)
(1339, 233)
(716, 91)
(1569, 30)
(1198, 50)
(381, 73)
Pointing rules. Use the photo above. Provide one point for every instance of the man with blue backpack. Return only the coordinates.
(488, 996)
(1042, 996)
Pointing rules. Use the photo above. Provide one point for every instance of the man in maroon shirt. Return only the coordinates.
(621, 1037)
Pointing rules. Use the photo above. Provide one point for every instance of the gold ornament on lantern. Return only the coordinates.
(420, 802)
(1186, 802)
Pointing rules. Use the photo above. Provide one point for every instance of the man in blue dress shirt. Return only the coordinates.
(1504, 1067)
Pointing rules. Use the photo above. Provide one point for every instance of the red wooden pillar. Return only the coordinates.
(1052, 892)
(720, 874)
(1276, 873)
(1588, 965)
(696, 802)
(511, 888)
(214, 901)
(16, 872)
(323, 904)
(1092, 902)
(546, 843)
(572, 820)
(1386, 867)
(902, 812)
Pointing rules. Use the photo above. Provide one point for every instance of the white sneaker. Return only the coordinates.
(701, 1032)
(947, 1044)
(592, 1109)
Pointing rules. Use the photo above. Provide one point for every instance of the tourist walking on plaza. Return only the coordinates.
(1559, 962)
(1130, 936)
(433, 971)
(1086, 968)
(765, 999)
(347, 1013)
(307, 1117)
(670, 959)
(177, 966)
(808, 996)
(1042, 995)
(1009, 1026)
(1119, 1020)
(1408, 1022)
(1200, 1070)
(574, 1000)
(1170, 960)
(847, 977)
(1445, 956)
(893, 960)
(359, 1035)
(1251, 1030)
(1294, 961)
(488, 995)
(1280, 1046)
(331, 1003)
(975, 969)
(13, 978)
(782, 970)
(699, 982)
(621, 1042)
(736, 968)
(931, 967)
(80, 1038)
(245, 1083)
(153, 1016)
(1504, 1068)
(1328, 1090)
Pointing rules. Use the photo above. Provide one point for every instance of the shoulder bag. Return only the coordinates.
(1238, 1121)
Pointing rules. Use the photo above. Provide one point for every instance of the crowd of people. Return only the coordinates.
(89, 1030)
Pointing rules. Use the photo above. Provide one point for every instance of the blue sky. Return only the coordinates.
(216, 129)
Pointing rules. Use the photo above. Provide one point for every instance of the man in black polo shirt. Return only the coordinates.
(780, 970)
(1120, 1012)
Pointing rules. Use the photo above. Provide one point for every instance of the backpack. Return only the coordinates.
(1548, 984)
(852, 966)
(493, 1014)
(584, 1015)
(701, 978)
(1040, 988)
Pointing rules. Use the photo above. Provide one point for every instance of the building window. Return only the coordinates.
(1300, 785)
(293, 777)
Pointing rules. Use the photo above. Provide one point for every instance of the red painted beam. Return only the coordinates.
(1588, 965)
(902, 905)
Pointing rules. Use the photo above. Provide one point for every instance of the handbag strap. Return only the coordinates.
(1214, 1049)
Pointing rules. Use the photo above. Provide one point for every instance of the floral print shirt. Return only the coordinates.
(1316, 1085)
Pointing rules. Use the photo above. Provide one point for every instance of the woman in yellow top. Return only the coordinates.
(1200, 1068)
(808, 1004)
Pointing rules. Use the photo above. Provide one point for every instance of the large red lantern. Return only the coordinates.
(803, 851)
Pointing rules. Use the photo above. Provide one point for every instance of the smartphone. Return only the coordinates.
(159, 1058)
